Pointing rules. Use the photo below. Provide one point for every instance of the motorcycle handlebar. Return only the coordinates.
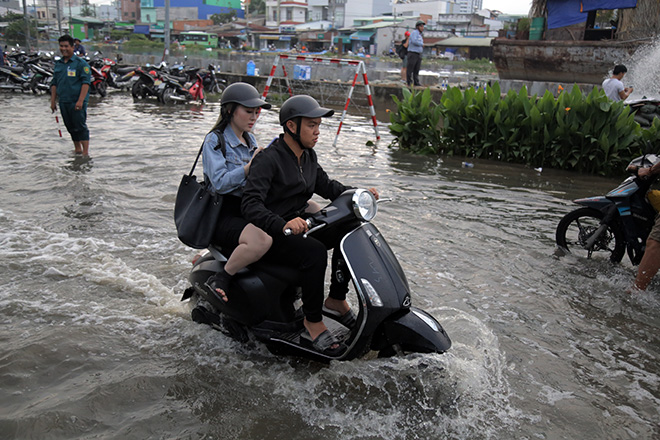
(288, 231)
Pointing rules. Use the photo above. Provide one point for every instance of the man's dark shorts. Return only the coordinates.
(75, 120)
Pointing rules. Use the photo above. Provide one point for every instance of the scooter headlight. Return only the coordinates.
(365, 205)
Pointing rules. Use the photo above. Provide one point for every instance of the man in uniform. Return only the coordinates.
(70, 84)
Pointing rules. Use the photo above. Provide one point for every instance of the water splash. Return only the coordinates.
(644, 71)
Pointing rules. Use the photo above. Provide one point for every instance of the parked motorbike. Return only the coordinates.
(264, 298)
(611, 225)
(172, 90)
(99, 83)
(212, 83)
(147, 83)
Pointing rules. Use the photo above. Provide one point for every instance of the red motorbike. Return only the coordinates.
(99, 82)
(182, 89)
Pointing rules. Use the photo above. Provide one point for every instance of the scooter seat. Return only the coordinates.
(279, 271)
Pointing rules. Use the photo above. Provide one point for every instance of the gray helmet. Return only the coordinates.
(419, 22)
(305, 106)
(244, 94)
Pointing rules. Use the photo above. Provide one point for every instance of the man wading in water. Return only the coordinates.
(70, 83)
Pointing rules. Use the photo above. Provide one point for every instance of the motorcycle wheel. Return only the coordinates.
(575, 229)
(165, 96)
(138, 90)
(102, 88)
(217, 88)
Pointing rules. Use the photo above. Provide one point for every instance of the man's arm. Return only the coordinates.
(255, 192)
(649, 171)
(623, 94)
(81, 98)
(53, 97)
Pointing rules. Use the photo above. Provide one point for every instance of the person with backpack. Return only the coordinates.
(402, 51)
(415, 49)
(227, 154)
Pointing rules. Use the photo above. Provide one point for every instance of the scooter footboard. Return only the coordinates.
(414, 331)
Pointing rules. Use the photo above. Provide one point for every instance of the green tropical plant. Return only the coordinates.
(590, 134)
(415, 124)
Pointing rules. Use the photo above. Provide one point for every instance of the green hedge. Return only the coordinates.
(590, 134)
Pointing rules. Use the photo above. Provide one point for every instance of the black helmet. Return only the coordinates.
(305, 106)
(243, 94)
(419, 22)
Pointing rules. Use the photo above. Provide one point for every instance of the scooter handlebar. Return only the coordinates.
(288, 231)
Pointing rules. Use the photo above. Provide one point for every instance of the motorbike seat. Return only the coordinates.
(125, 70)
(15, 69)
(279, 271)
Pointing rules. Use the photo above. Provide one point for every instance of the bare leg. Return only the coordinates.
(78, 147)
(85, 147)
(339, 305)
(252, 245)
(649, 265)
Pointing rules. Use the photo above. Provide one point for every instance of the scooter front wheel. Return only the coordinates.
(578, 226)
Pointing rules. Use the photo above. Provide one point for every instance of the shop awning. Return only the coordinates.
(362, 35)
(343, 39)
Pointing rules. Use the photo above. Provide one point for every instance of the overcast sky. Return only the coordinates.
(517, 7)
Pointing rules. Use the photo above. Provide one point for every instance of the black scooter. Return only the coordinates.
(264, 299)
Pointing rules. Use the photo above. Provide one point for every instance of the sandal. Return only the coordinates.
(347, 319)
(220, 281)
(323, 343)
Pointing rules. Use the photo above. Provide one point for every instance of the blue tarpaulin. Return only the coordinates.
(564, 13)
(592, 5)
(567, 12)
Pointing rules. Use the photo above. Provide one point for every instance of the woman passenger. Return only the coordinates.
(227, 172)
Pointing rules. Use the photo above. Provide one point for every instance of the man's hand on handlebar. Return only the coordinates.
(297, 226)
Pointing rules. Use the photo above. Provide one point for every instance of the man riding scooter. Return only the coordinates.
(282, 179)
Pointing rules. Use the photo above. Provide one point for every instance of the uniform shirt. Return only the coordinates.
(416, 43)
(612, 87)
(278, 187)
(225, 172)
(69, 77)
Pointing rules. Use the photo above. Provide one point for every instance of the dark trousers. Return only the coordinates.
(310, 257)
(414, 64)
(75, 121)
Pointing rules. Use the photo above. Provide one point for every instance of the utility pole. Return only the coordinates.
(59, 18)
(27, 26)
(36, 24)
(166, 36)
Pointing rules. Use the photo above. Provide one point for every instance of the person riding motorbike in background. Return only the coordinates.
(281, 181)
(650, 263)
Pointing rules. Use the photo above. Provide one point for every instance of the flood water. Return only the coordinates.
(96, 344)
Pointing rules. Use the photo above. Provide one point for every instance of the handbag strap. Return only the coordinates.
(221, 143)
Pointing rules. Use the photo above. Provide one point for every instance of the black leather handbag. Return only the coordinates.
(196, 210)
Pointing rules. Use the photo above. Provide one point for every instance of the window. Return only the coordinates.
(289, 14)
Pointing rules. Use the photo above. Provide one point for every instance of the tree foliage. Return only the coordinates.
(225, 17)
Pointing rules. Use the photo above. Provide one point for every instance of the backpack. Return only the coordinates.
(401, 50)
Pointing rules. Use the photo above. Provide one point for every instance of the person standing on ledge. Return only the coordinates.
(415, 49)
(70, 84)
(613, 87)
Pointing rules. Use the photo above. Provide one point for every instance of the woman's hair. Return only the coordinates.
(226, 112)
